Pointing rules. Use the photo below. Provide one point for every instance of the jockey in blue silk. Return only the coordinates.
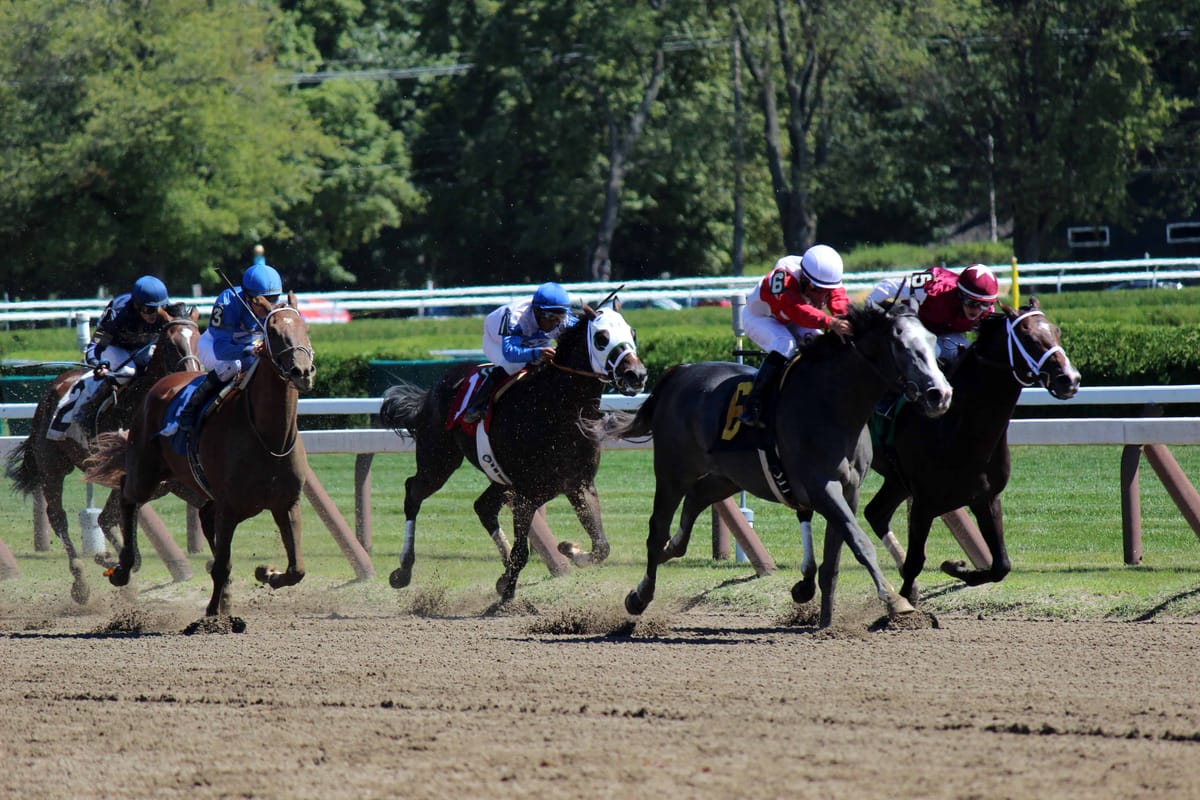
(519, 334)
(120, 348)
(231, 342)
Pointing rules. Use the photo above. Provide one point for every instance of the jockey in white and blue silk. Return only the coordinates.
(231, 342)
(519, 334)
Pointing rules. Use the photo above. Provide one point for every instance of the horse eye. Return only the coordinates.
(600, 339)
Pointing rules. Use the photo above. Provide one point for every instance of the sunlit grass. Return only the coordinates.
(1062, 519)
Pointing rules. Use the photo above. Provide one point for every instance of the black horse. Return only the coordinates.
(817, 428)
(961, 458)
(538, 443)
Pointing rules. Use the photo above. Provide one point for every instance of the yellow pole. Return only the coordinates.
(1016, 285)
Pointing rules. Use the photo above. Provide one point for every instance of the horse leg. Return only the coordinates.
(828, 575)
(57, 515)
(806, 589)
(991, 526)
(222, 545)
(523, 510)
(288, 520)
(586, 502)
(841, 519)
(435, 464)
(708, 490)
(879, 512)
(666, 500)
(919, 523)
(487, 508)
(110, 525)
(129, 558)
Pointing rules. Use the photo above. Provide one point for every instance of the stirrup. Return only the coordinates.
(752, 420)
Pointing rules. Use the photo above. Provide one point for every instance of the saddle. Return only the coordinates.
(733, 436)
(464, 397)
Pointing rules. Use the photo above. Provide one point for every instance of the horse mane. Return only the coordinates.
(577, 330)
(863, 318)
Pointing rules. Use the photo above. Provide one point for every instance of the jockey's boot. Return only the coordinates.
(189, 415)
(85, 417)
(483, 396)
(752, 406)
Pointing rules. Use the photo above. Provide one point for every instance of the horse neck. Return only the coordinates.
(273, 407)
(985, 397)
(568, 390)
(860, 386)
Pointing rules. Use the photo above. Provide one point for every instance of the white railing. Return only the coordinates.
(1035, 396)
(1036, 276)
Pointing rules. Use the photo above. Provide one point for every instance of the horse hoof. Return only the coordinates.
(262, 574)
(804, 591)
(400, 577)
(634, 604)
(118, 576)
(899, 606)
(955, 569)
(81, 592)
(506, 587)
(237, 625)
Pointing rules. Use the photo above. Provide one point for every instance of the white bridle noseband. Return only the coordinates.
(1034, 366)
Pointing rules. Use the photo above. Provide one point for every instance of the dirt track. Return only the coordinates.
(360, 703)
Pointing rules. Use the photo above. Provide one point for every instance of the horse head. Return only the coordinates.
(911, 362)
(175, 349)
(288, 347)
(1035, 351)
(611, 349)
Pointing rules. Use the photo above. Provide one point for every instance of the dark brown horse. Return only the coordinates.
(961, 458)
(250, 454)
(539, 446)
(816, 433)
(41, 463)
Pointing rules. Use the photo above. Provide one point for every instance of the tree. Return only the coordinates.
(1067, 94)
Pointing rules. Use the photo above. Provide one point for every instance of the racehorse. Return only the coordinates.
(540, 444)
(250, 456)
(41, 463)
(816, 434)
(961, 458)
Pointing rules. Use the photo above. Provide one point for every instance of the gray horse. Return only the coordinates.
(814, 454)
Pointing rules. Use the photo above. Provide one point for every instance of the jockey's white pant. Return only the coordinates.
(774, 336)
(224, 369)
(122, 370)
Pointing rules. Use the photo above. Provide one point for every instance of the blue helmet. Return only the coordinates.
(150, 292)
(261, 278)
(551, 297)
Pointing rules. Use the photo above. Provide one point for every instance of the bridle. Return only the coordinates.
(273, 360)
(274, 357)
(191, 359)
(1016, 346)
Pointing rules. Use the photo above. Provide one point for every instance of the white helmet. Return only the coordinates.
(822, 266)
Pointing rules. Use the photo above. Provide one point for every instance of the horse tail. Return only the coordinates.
(402, 406)
(22, 469)
(106, 465)
(623, 425)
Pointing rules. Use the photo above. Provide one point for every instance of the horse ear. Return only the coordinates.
(291, 301)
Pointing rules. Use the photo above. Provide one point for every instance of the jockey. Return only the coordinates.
(120, 348)
(949, 304)
(518, 334)
(231, 342)
(799, 298)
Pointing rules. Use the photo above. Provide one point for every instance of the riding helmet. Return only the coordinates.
(978, 283)
(822, 266)
(551, 296)
(150, 292)
(261, 278)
